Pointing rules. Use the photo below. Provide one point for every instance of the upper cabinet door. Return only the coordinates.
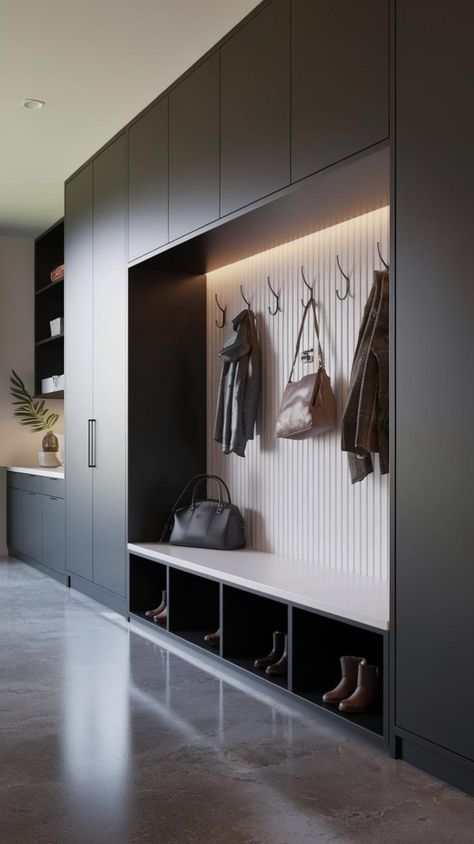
(148, 181)
(194, 150)
(340, 80)
(110, 331)
(255, 108)
(78, 370)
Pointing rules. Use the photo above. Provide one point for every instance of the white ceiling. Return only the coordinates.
(96, 63)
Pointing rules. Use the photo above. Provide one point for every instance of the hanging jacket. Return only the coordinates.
(365, 419)
(239, 387)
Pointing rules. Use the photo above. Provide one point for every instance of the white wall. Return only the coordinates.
(18, 446)
(297, 497)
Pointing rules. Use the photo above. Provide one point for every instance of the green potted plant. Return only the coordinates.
(33, 414)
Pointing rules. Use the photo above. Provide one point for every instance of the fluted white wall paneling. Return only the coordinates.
(297, 497)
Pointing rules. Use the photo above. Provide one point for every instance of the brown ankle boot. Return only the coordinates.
(348, 681)
(275, 653)
(213, 639)
(162, 617)
(152, 613)
(280, 668)
(366, 695)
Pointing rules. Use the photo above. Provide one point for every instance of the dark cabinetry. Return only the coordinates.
(340, 78)
(148, 181)
(96, 356)
(194, 150)
(255, 108)
(434, 573)
(36, 519)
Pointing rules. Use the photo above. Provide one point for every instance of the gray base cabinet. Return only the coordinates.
(36, 519)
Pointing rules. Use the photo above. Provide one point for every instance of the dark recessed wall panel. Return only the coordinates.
(434, 397)
(148, 181)
(340, 80)
(255, 108)
(194, 150)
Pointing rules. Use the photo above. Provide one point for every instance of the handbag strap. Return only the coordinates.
(311, 304)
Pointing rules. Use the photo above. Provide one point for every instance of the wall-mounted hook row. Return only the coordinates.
(310, 288)
(343, 296)
(380, 256)
(277, 297)
(223, 312)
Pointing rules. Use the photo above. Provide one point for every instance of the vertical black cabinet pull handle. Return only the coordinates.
(91, 444)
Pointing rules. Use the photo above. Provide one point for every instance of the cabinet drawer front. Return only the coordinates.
(14, 479)
(54, 533)
(32, 483)
(53, 486)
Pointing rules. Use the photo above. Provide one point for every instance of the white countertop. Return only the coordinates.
(352, 596)
(37, 470)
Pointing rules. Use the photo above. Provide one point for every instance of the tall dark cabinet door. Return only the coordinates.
(434, 396)
(194, 150)
(340, 80)
(255, 108)
(148, 181)
(110, 328)
(78, 371)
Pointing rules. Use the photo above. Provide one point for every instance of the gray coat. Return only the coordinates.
(239, 387)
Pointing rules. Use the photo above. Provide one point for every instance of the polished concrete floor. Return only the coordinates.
(107, 735)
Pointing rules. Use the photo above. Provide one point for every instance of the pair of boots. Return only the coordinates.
(160, 614)
(358, 688)
(276, 662)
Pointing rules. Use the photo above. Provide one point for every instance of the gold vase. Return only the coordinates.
(50, 442)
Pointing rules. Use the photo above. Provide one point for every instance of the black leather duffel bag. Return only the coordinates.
(206, 523)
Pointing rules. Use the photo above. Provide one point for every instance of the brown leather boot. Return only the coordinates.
(366, 695)
(280, 668)
(162, 617)
(275, 654)
(152, 613)
(348, 681)
(213, 639)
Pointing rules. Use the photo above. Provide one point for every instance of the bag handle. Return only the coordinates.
(310, 304)
(196, 480)
(220, 484)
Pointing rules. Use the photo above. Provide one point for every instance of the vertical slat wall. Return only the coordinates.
(297, 497)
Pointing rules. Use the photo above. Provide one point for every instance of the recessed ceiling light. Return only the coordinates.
(33, 104)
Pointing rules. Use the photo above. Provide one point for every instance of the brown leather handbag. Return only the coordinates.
(308, 406)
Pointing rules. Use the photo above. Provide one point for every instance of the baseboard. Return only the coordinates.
(440, 763)
(62, 577)
(98, 593)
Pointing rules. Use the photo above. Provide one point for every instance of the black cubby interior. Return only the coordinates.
(194, 606)
(249, 621)
(318, 644)
(148, 579)
(49, 305)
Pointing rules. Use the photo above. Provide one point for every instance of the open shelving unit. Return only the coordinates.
(49, 305)
(207, 590)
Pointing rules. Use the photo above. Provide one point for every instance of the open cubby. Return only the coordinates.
(194, 607)
(249, 621)
(148, 579)
(317, 645)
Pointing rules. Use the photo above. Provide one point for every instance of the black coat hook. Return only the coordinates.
(348, 282)
(277, 297)
(243, 297)
(310, 288)
(380, 256)
(223, 312)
